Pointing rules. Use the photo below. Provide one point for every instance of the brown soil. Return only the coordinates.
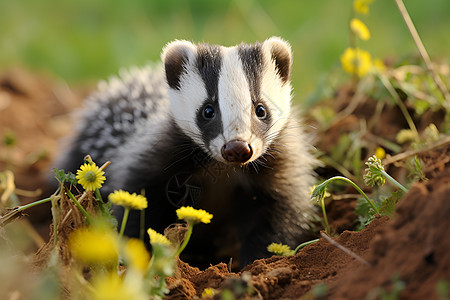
(409, 253)
(36, 110)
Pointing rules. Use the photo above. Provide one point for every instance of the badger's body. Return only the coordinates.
(213, 129)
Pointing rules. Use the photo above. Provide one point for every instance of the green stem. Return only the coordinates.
(423, 52)
(98, 196)
(150, 263)
(326, 182)
(101, 204)
(302, 245)
(186, 239)
(30, 205)
(81, 208)
(398, 184)
(400, 104)
(324, 213)
(124, 221)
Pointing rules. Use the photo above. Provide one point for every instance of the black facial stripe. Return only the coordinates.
(209, 62)
(252, 64)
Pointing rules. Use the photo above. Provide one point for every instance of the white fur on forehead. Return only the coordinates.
(234, 97)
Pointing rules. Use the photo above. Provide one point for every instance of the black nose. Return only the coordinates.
(237, 151)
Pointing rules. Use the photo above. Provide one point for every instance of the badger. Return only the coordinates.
(211, 127)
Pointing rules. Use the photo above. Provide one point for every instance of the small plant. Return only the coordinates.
(191, 216)
(375, 175)
(128, 201)
(285, 250)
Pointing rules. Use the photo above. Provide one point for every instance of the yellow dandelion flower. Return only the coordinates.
(356, 61)
(379, 65)
(380, 153)
(208, 292)
(359, 29)
(158, 238)
(137, 254)
(280, 249)
(90, 177)
(125, 199)
(193, 215)
(362, 6)
(112, 287)
(94, 246)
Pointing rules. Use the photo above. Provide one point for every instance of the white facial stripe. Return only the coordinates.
(234, 98)
(186, 101)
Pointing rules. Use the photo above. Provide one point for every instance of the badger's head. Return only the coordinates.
(232, 101)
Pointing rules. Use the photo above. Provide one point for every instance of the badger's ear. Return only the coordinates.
(280, 53)
(176, 57)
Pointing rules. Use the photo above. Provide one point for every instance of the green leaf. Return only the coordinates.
(65, 177)
(388, 206)
(364, 212)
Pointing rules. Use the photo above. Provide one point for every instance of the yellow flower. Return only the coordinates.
(405, 135)
(380, 153)
(112, 287)
(208, 292)
(158, 238)
(379, 65)
(356, 61)
(362, 6)
(280, 249)
(192, 215)
(360, 29)
(94, 246)
(125, 199)
(137, 254)
(90, 177)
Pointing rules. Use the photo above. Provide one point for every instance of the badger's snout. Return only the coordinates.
(237, 151)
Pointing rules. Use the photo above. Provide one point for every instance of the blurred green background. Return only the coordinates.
(84, 40)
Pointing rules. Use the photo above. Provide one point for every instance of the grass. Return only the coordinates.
(88, 40)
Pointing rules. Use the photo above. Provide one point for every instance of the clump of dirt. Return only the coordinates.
(190, 281)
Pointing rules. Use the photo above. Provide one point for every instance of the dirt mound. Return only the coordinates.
(411, 250)
(407, 255)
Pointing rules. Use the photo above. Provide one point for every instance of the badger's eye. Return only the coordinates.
(260, 111)
(208, 112)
